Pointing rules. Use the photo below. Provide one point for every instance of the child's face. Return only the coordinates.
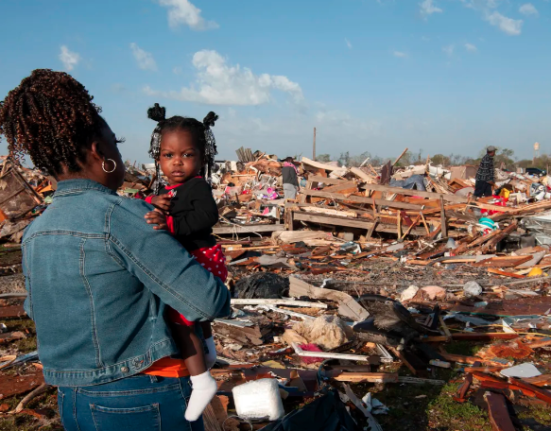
(179, 159)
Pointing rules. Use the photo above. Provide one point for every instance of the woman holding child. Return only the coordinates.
(99, 278)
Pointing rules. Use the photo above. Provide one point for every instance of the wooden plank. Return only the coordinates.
(360, 224)
(443, 218)
(505, 274)
(503, 262)
(467, 359)
(406, 192)
(464, 388)
(362, 175)
(503, 234)
(543, 380)
(540, 393)
(498, 412)
(361, 200)
(415, 222)
(324, 166)
(248, 229)
(359, 377)
(425, 223)
(327, 181)
(400, 156)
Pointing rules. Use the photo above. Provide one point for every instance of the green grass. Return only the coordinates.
(535, 414)
(445, 412)
(463, 348)
(45, 403)
(25, 325)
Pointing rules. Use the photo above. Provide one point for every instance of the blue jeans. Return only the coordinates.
(137, 403)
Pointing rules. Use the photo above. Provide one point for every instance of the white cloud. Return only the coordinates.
(69, 58)
(512, 27)
(481, 4)
(177, 70)
(448, 50)
(528, 9)
(399, 54)
(183, 12)
(144, 59)
(348, 44)
(428, 8)
(470, 47)
(218, 83)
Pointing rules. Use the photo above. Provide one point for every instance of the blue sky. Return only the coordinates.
(441, 76)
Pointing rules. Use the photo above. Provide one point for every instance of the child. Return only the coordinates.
(184, 149)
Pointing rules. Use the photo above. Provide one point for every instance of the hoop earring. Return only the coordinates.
(112, 170)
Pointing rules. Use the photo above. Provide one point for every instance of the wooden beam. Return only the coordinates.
(498, 413)
(407, 192)
(443, 217)
(400, 156)
(328, 181)
(325, 166)
(362, 175)
(361, 199)
(356, 223)
(248, 229)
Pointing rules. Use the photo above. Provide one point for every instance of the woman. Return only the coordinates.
(97, 275)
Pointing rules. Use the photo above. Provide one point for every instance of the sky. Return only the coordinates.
(437, 76)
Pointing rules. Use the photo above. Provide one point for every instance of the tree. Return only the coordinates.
(440, 160)
(406, 160)
(505, 158)
(356, 161)
(344, 159)
(323, 158)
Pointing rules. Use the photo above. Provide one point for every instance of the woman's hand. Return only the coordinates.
(158, 218)
(162, 202)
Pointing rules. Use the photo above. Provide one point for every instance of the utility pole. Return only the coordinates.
(314, 155)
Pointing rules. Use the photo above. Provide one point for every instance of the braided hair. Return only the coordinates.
(50, 116)
(201, 134)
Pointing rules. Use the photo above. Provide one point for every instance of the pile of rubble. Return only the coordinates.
(361, 287)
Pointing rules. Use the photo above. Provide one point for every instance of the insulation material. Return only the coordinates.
(258, 399)
(289, 337)
(325, 331)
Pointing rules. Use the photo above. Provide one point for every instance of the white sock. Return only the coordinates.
(203, 389)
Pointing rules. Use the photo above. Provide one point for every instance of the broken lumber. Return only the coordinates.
(498, 413)
(348, 307)
(407, 192)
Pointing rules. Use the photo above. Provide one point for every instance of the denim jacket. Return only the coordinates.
(98, 278)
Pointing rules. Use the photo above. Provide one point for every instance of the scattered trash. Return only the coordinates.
(472, 288)
(321, 282)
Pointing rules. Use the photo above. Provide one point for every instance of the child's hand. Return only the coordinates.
(162, 202)
(158, 218)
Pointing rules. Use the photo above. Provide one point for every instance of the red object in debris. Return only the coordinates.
(513, 349)
(310, 348)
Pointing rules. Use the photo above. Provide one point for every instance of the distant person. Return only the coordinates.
(290, 178)
(485, 177)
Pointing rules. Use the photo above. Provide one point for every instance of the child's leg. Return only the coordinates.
(210, 354)
(204, 387)
(191, 348)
